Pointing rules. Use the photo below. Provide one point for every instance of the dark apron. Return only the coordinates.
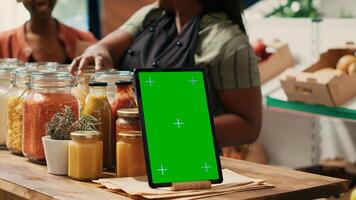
(159, 45)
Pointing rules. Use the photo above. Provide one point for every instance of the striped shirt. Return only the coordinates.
(223, 49)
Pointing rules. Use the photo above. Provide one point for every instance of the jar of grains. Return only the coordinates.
(15, 99)
(6, 75)
(50, 94)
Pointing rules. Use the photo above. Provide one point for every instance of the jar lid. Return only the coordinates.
(85, 135)
(131, 134)
(124, 82)
(98, 84)
(128, 112)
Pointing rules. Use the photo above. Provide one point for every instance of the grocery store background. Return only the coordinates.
(292, 139)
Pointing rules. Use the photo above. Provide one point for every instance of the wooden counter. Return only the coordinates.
(20, 179)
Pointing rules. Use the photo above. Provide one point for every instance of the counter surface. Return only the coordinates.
(20, 179)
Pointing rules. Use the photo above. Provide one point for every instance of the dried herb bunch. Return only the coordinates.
(63, 123)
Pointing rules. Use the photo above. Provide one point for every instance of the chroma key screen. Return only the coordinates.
(178, 129)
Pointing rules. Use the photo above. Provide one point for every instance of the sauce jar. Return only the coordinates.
(128, 120)
(130, 155)
(50, 94)
(111, 77)
(97, 105)
(85, 156)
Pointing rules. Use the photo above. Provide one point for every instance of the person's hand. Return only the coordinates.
(94, 55)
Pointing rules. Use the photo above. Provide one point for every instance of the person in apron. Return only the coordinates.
(192, 33)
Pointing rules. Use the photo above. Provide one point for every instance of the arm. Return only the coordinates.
(241, 123)
(112, 48)
(105, 53)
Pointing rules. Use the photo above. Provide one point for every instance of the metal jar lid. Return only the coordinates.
(85, 135)
(128, 112)
(131, 134)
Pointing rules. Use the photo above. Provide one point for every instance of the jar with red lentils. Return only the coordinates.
(50, 94)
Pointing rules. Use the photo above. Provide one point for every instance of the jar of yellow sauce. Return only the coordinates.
(85, 156)
(130, 155)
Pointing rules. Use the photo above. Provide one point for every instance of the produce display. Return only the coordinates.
(54, 121)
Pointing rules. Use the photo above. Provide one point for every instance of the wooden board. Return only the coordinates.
(18, 177)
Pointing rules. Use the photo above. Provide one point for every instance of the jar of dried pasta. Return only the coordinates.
(14, 110)
(6, 75)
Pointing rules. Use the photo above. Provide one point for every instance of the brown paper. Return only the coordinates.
(138, 187)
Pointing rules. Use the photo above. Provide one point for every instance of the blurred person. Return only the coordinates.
(207, 34)
(43, 38)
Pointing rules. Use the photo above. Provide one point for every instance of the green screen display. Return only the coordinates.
(178, 129)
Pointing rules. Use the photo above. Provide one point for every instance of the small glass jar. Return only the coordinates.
(50, 94)
(111, 77)
(128, 120)
(130, 155)
(97, 105)
(85, 156)
(6, 76)
(14, 111)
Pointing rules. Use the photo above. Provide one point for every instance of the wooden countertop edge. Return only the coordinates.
(21, 191)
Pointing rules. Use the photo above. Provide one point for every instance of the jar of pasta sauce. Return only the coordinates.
(128, 120)
(50, 94)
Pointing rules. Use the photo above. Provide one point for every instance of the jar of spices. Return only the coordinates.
(128, 120)
(85, 156)
(130, 155)
(124, 97)
(14, 111)
(6, 75)
(97, 105)
(111, 77)
(50, 94)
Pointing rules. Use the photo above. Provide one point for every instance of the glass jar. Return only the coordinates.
(128, 120)
(6, 75)
(111, 77)
(14, 111)
(50, 94)
(85, 156)
(130, 155)
(97, 105)
(124, 97)
(81, 88)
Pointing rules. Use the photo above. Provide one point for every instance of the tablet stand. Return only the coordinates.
(198, 185)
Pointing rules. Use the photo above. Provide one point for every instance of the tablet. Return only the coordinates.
(177, 126)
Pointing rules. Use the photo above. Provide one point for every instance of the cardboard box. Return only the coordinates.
(329, 89)
(278, 62)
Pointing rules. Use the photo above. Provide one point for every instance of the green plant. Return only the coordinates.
(296, 9)
(63, 123)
